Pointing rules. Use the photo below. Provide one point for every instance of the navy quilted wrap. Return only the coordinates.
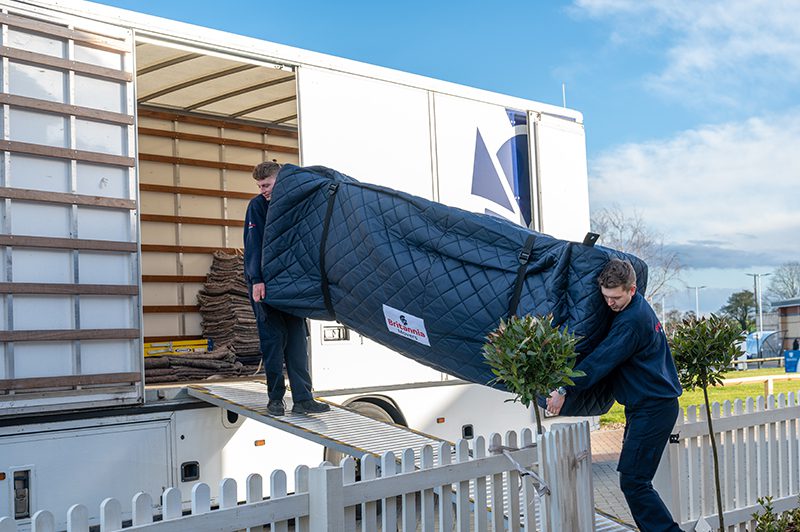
(453, 269)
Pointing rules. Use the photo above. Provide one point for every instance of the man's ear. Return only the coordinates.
(633, 289)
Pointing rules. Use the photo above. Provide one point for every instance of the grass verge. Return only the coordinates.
(718, 394)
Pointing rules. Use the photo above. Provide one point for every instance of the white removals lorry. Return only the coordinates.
(127, 148)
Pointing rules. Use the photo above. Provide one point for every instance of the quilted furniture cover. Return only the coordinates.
(426, 280)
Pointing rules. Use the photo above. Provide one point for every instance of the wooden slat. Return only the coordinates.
(216, 140)
(173, 278)
(104, 42)
(65, 335)
(69, 289)
(239, 92)
(7, 385)
(66, 243)
(63, 198)
(168, 189)
(56, 62)
(152, 339)
(195, 162)
(65, 109)
(162, 248)
(170, 309)
(66, 153)
(214, 122)
(190, 220)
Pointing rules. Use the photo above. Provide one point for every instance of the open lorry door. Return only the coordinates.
(70, 287)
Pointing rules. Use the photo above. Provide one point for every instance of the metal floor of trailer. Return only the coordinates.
(339, 429)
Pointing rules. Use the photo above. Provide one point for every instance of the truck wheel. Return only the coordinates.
(366, 408)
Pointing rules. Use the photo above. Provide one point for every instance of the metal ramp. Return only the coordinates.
(339, 429)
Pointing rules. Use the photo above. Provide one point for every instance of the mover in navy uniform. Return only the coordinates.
(282, 336)
(635, 355)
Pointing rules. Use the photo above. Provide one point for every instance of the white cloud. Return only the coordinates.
(717, 51)
(736, 184)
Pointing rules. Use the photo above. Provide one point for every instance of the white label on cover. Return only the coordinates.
(406, 325)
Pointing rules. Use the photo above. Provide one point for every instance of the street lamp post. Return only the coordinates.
(697, 299)
(757, 294)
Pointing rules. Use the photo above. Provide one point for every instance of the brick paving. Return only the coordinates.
(608, 498)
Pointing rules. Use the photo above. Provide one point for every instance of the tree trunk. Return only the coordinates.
(538, 419)
(716, 460)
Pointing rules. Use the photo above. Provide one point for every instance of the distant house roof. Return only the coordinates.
(794, 302)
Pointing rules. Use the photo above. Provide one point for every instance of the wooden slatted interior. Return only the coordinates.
(195, 183)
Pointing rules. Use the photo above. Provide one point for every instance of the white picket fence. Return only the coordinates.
(461, 489)
(758, 446)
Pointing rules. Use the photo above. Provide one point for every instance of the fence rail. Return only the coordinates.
(514, 483)
(758, 443)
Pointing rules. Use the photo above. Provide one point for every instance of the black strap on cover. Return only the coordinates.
(326, 293)
(524, 257)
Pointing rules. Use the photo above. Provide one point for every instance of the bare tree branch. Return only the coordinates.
(629, 233)
(784, 282)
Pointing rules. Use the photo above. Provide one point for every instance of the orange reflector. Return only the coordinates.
(2, 476)
(260, 443)
(440, 420)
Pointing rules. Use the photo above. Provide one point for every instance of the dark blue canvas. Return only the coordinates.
(451, 269)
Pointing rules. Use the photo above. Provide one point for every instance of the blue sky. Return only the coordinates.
(692, 109)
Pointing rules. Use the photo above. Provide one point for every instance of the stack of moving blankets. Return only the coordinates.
(427, 280)
(228, 318)
(221, 362)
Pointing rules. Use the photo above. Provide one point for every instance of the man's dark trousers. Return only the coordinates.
(282, 338)
(647, 430)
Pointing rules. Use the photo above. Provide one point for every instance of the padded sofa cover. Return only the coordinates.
(426, 280)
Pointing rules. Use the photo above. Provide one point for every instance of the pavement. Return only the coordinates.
(608, 498)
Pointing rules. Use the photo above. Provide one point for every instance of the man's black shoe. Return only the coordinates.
(276, 407)
(309, 407)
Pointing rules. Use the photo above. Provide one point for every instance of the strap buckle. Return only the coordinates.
(333, 187)
(524, 256)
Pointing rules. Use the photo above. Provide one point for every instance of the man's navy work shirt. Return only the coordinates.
(254, 222)
(635, 356)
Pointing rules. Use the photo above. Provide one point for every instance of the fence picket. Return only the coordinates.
(201, 498)
(481, 517)
(462, 490)
(301, 486)
(369, 510)
(529, 499)
(78, 518)
(7, 525)
(389, 514)
(171, 504)
(43, 521)
(228, 496)
(740, 457)
(446, 490)
(427, 504)
(512, 485)
(409, 520)
(551, 499)
(495, 442)
(254, 492)
(772, 439)
(783, 449)
(584, 479)
(792, 448)
(693, 463)
(348, 465)
(277, 490)
(727, 462)
(110, 515)
(142, 506)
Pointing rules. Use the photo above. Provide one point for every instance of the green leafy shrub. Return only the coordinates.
(788, 521)
(532, 357)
